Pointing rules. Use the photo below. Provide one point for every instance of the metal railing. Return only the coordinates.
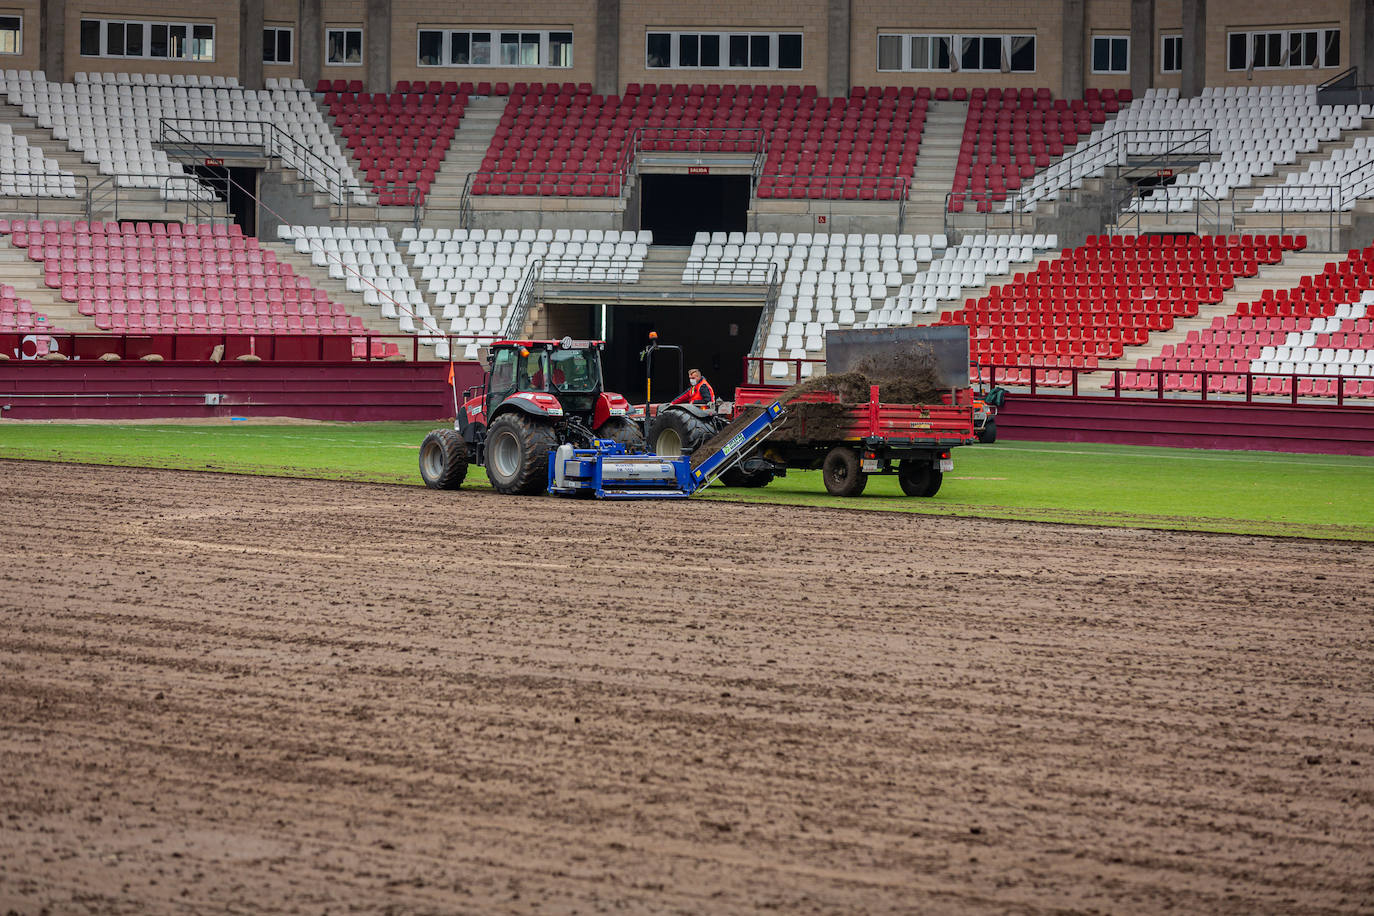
(1136, 201)
(197, 344)
(110, 192)
(39, 187)
(619, 283)
(1163, 148)
(198, 141)
(1303, 389)
(1284, 203)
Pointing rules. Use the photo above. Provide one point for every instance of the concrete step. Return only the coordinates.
(337, 289)
(26, 277)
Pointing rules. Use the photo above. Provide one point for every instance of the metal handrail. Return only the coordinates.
(1085, 160)
(1286, 193)
(48, 180)
(181, 134)
(110, 190)
(1197, 199)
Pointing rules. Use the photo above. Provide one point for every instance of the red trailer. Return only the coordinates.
(849, 442)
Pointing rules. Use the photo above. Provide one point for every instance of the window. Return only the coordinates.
(430, 48)
(1111, 54)
(160, 40)
(1278, 50)
(560, 49)
(344, 46)
(276, 45)
(1171, 54)
(980, 52)
(11, 34)
(742, 50)
(889, 52)
(987, 53)
(443, 47)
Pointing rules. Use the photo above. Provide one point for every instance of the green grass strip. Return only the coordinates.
(1261, 493)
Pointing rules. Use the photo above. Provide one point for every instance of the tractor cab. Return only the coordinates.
(568, 371)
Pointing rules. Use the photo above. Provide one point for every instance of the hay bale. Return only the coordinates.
(109, 357)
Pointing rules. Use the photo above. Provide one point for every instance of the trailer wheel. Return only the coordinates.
(517, 453)
(443, 460)
(988, 434)
(842, 472)
(919, 478)
(623, 432)
(676, 432)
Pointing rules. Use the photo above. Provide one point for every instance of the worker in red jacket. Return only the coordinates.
(700, 394)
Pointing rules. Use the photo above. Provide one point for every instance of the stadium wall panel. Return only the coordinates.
(1188, 424)
(80, 389)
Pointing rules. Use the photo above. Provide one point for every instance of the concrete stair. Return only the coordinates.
(26, 277)
(934, 173)
(337, 289)
(468, 148)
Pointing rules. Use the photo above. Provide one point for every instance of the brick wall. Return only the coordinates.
(806, 16)
(1041, 18)
(1105, 17)
(29, 39)
(577, 16)
(224, 17)
(284, 15)
(1225, 16)
(340, 14)
(1168, 21)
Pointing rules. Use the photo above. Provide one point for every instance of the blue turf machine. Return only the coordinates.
(607, 471)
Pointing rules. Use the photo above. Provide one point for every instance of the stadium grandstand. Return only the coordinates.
(1134, 206)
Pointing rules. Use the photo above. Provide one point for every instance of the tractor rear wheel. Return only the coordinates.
(843, 473)
(676, 432)
(443, 460)
(622, 432)
(517, 453)
(919, 477)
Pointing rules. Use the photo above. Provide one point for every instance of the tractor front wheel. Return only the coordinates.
(843, 473)
(517, 454)
(623, 432)
(919, 477)
(443, 460)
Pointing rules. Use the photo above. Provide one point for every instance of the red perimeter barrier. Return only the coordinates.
(319, 390)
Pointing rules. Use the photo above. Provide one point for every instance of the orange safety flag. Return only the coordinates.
(450, 374)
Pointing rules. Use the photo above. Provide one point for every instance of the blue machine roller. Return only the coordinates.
(607, 471)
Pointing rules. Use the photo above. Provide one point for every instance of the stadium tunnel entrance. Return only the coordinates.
(676, 207)
(237, 186)
(713, 338)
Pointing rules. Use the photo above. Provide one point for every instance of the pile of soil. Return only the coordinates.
(905, 376)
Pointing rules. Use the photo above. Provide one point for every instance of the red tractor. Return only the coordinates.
(535, 396)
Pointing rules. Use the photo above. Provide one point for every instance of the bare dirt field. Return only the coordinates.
(230, 694)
